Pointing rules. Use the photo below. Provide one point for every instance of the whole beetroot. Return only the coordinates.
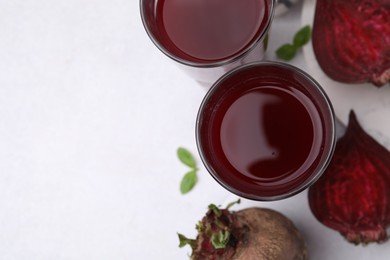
(252, 233)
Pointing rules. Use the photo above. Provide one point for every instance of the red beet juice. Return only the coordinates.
(265, 131)
(208, 38)
(204, 30)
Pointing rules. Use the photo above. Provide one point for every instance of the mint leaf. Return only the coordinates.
(188, 182)
(190, 178)
(286, 51)
(186, 157)
(302, 36)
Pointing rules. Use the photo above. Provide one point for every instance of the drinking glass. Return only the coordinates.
(208, 38)
(265, 130)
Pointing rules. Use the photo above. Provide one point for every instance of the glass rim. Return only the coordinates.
(325, 159)
(237, 56)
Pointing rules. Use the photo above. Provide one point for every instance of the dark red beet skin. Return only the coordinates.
(353, 194)
(351, 40)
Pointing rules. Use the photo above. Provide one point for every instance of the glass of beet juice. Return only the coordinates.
(207, 38)
(265, 130)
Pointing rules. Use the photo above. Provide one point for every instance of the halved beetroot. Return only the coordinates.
(353, 195)
(351, 40)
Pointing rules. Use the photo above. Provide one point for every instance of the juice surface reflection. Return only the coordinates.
(210, 30)
(265, 131)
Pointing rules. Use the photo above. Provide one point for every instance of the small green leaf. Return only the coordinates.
(215, 209)
(286, 51)
(186, 157)
(188, 182)
(183, 241)
(200, 226)
(221, 240)
(302, 36)
(231, 204)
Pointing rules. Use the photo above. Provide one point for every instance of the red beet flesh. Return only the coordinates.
(353, 195)
(351, 40)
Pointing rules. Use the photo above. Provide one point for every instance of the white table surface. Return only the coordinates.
(91, 115)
